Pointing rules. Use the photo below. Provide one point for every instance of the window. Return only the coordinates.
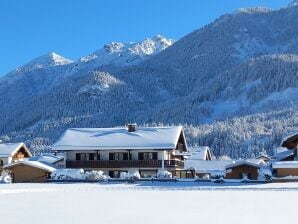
(147, 155)
(78, 156)
(91, 156)
(1, 162)
(118, 156)
(85, 156)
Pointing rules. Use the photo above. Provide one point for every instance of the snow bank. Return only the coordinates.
(68, 174)
(164, 174)
(265, 174)
(5, 177)
(95, 175)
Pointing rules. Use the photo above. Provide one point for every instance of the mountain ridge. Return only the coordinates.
(243, 64)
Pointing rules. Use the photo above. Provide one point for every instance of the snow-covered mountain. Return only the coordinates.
(125, 54)
(242, 67)
(44, 61)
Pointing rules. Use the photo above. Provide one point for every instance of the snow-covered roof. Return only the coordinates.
(206, 166)
(243, 162)
(119, 138)
(282, 154)
(199, 152)
(289, 138)
(285, 164)
(258, 161)
(263, 156)
(36, 164)
(46, 158)
(8, 149)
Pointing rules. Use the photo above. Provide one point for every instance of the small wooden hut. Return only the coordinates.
(242, 169)
(29, 171)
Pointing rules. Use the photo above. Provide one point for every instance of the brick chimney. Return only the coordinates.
(131, 127)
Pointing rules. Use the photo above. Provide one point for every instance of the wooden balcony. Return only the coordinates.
(123, 163)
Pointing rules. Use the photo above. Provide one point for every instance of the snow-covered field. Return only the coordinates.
(147, 203)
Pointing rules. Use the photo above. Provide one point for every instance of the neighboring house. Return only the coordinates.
(116, 150)
(12, 152)
(199, 153)
(285, 163)
(285, 168)
(243, 169)
(50, 159)
(290, 142)
(207, 168)
(199, 163)
(29, 171)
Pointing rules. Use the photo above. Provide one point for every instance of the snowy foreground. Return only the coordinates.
(147, 203)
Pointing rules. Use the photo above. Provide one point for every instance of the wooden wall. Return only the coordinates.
(283, 172)
(23, 173)
(237, 171)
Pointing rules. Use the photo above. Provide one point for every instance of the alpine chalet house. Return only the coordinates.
(199, 163)
(116, 150)
(288, 164)
(243, 169)
(12, 152)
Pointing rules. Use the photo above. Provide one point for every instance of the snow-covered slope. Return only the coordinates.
(124, 54)
(293, 3)
(243, 64)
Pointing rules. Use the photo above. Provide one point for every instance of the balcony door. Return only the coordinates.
(87, 156)
(118, 156)
(147, 155)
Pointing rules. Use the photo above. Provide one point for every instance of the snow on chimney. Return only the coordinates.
(131, 127)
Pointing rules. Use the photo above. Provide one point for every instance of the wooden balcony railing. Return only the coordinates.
(123, 163)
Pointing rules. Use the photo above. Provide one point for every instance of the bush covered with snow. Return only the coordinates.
(217, 174)
(94, 175)
(164, 174)
(206, 176)
(77, 174)
(5, 177)
(265, 174)
(68, 174)
(131, 174)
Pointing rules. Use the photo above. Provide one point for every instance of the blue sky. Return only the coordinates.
(75, 28)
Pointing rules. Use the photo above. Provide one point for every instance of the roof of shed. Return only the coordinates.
(35, 164)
